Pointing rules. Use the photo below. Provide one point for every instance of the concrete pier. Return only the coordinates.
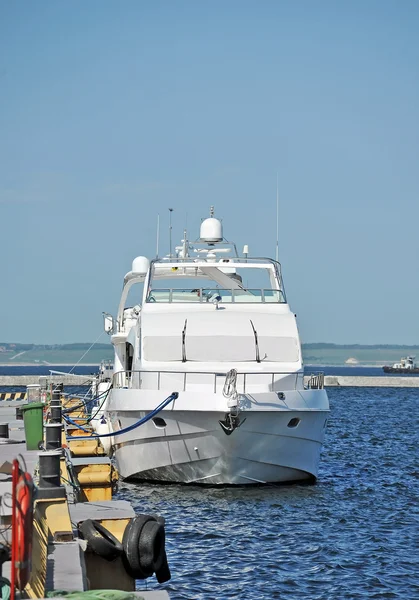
(60, 557)
(24, 380)
(346, 381)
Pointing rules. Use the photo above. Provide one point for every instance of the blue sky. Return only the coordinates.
(112, 112)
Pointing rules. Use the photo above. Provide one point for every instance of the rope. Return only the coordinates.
(70, 469)
(70, 483)
(173, 396)
(86, 402)
(230, 389)
(103, 402)
(88, 350)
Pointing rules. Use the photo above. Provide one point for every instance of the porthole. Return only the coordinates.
(294, 422)
(159, 422)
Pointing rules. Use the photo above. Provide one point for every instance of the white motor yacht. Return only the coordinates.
(216, 328)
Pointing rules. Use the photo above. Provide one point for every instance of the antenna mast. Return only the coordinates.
(158, 236)
(277, 220)
(170, 232)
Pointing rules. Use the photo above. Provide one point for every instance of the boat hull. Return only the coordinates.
(194, 448)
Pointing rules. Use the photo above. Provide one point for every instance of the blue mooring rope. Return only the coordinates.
(84, 403)
(173, 396)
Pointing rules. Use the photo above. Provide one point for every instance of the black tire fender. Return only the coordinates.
(151, 546)
(100, 540)
(130, 542)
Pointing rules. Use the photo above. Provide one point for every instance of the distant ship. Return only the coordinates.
(406, 365)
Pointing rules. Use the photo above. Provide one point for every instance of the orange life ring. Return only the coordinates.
(23, 529)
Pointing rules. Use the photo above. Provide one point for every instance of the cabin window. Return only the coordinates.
(204, 295)
(294, 422)
(159, 422)
(129, 349)
(224, 281)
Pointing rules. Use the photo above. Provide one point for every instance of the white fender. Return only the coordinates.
(104, 427)
(94, 423)
(102, 389)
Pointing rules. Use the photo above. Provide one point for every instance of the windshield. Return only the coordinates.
(214, 282)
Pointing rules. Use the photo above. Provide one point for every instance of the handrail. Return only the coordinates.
(201, 259)
(316, 381)
(219, 374)
(124, 378)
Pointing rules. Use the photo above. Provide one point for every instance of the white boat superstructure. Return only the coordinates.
(216, 328)
(407, 363)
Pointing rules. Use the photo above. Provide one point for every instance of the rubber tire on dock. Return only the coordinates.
(130, 542)
(151, 546)
(100, 540)
(144, 548)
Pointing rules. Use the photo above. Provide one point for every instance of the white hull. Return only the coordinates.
(193, 448)
(205, 332)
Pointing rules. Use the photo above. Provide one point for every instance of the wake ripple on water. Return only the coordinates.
(352, 535)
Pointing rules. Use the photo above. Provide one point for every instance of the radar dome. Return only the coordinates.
(140, 265)
(211, 230)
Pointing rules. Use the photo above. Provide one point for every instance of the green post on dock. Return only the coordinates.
(33, 422)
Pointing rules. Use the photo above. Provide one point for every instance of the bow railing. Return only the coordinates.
(247, 382)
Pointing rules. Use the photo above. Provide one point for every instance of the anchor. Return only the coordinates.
(231, 420)
(230, 423)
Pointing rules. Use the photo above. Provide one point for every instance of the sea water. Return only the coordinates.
(352, 535)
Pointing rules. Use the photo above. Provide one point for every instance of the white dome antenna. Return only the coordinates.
(140, 265)
(211, 229)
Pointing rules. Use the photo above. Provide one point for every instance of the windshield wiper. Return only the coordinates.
(256, 341)
(183, 342)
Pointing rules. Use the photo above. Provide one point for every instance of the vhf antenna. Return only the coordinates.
(158, 236)
(277, 220)
(170, 232)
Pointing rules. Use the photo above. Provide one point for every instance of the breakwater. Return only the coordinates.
(348, 381)
(24, 380)
(329, 381)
